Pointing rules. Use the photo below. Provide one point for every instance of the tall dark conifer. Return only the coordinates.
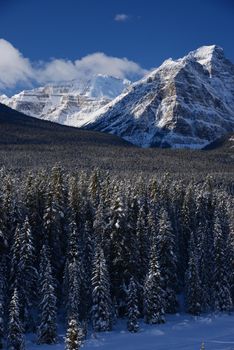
(193, 285)
(132, 307)
(118, 251)
(167, 261)
(15, 338)
(47, 329)
(28, 275)
(102, 307)
(74, 336)
(222, 289)
(154, 302)
(206, 264)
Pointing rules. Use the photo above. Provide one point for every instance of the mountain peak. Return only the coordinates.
(208, 56)
(106, 86)
(208, 51)
(187, 102)
(184, 103)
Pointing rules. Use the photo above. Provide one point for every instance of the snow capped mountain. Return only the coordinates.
(70, 103)
(184, 103)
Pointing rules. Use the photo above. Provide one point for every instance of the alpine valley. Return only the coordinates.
(185, 103)
(116, 175)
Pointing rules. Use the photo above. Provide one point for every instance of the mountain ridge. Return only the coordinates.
(68, 103)
(184, 103)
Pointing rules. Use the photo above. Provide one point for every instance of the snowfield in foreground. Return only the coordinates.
(182, 332)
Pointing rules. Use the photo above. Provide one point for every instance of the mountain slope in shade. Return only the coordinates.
(69, 103)
(19, 129)
(186, 103)
(225, 143)
(30, 143)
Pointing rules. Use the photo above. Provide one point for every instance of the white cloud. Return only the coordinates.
(103, 64)
(15, 69)
(121, 17)
(56, 70)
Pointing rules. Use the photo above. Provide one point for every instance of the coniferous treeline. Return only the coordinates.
(90, 249)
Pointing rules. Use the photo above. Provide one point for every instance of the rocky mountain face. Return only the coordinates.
(69, 103)
(186, 103)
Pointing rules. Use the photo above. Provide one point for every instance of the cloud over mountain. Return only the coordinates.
(16, 69)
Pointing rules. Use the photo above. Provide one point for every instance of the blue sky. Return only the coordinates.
(144, 31)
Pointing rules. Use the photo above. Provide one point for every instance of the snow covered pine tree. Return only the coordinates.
(15, 339)
(132, 307)
(193, 282)
(153, 293)
(47, 330)
(74, 335)
(102, 306)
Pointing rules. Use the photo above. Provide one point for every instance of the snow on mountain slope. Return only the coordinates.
(69, 103)
(184, 103)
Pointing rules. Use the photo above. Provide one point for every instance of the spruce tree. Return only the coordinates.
(154, 302)
(54, 220)
(167, 261)
(119, 251)
(74, 279)
(15, 339)
(88, 248)
(188, 225)
(101, 306)
(94, 187)
(87, 261)
(52, 229)
(28, 275)
(132, 252)
(74, 336)
(206, 264)
(193, 282)
(102, 224)
(47, 330)
(222, 289)
(143, 242)
(34, 200)
(15, 259)
(132, 307)
(152, 221)
(73, 307)
(10, 208)
(74, 201)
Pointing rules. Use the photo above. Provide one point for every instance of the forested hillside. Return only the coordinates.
(28, 144)
(83, 250)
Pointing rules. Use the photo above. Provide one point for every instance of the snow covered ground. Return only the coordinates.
(182, 332)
